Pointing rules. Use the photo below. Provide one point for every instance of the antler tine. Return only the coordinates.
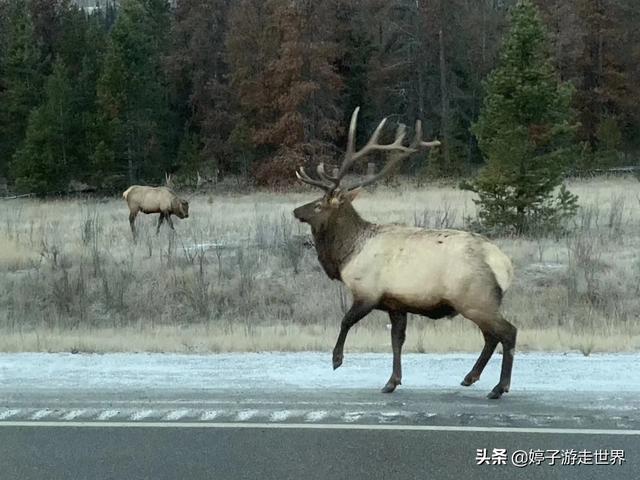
(302, 176)
(330, 183)
(404, 152)
(417, 137)
(351, 143)
(401, 132)
(352, 155)
(325, 176)
(420, 142)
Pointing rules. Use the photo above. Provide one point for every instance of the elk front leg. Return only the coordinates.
(169, 221)
(398, 334)
(357, 311)
(490, 343)
(132, 224)
(506, 332)
(160, 220)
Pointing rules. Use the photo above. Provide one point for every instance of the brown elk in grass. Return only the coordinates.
(400, 270)
(160, 200)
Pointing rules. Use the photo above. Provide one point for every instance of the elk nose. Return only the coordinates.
(297, 214)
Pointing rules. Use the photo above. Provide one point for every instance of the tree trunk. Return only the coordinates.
(444, 103)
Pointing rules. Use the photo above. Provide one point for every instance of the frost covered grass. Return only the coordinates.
(238, 275)
(422, 337)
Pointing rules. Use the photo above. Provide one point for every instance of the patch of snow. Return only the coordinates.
(546, 266)
(311, 370)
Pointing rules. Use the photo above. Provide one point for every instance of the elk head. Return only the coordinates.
(337, 198)
(180, 207)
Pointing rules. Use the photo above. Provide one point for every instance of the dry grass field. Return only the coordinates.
(237, 276)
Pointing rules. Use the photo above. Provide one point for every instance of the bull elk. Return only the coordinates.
(160, 200)
(400, 269)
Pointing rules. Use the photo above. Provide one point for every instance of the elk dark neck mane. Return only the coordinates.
(341, 238)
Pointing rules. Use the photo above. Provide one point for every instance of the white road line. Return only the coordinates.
(209, 415)
(141, 414)
(73, 414)
(176, 414)
(246, 415)
(9, 413)
(41, 414)
(320, 426)
(107, 414)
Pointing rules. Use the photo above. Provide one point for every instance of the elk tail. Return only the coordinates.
(500, 265)
(126, 193)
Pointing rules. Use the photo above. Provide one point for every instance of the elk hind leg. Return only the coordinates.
(160, 220)
(490, 344)
(132, 223)
(506, 333)
(398, 335)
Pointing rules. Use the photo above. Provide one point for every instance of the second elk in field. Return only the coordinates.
(161, 200)
(401, 270)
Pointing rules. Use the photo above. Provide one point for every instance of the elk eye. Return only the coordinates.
(317, 208)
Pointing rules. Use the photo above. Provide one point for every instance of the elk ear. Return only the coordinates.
(352, 194)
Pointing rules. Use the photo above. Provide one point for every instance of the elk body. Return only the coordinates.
(401, 270)
(160, 200)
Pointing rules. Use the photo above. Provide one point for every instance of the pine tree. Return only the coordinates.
(132, 96)
(199, 74)
(21, 78)
(48, 155)
(526, 132)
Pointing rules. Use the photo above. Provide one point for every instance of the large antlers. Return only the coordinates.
(330, 183)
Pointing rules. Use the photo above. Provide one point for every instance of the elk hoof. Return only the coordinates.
(497, 392)
(469, 380)
(389, 387)
(337, 361)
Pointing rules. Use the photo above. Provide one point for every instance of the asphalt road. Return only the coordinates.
(159, 453)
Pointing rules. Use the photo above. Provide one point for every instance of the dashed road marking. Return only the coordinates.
(73, 414)
(208, 415)
(246, 415)
(9, 413)
(352, 416)
(107, 414)
(176, 414)
(41, 414)
(141, 414)
(316, 415)
(280, 416)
